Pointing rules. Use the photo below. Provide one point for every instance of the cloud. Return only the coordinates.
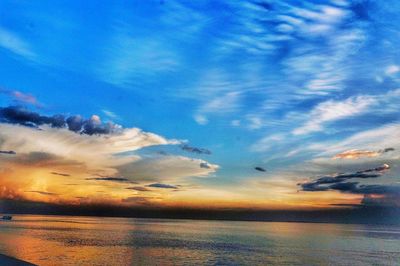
(15, 44)
(110, 114)
(388, 200)
(138, 188)
(165, 168)
(372, 139)
(392, 69)
(356, 154)
(139, 200)
(201, 119)
(127, 59)
(337, 181)
(267, 142)
(235, 123)
(94, 150)
(159, 185)
(255, 122)
(39, 158)
(25, 98)
(22, 116)
(205, 165)
(188, 148)
(43, 193)
(260, 169)
(21, 97)
(331, 110)
(8, 152)
(113, 179)
(226, 103)
(47, 155)
(91, 126)
(374, 195)
(60, 174)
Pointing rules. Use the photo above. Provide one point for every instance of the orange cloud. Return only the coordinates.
(355, 154)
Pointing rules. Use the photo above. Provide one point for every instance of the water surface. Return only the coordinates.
(66, 240)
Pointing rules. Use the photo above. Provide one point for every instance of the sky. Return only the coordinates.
(261, 105)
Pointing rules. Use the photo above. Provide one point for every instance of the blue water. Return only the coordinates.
(63, 240)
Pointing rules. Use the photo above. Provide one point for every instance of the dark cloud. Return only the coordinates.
(61, 174)
(94, 126)
(106, 178)
(388, 194)
(387, 150)
(205, 165)
(260, 169)
(378, 189)
(387, 201)
(319, 184)
(159, 185)
(381, 168)
(21, 116)
(345, 186)
(8, 152)
(138, 200)
(42, 193)
(143, 189)
(75, 123)
(188, 148)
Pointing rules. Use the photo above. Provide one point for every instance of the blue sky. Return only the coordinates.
(282, 85)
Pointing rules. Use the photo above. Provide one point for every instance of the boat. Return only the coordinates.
(7, 218)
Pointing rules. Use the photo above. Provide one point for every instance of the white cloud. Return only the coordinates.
(255, 122)
(392, 69)
(235, 123)
(96, 151)
(127, 58)
(201, 119)
(267, 142)
(103, 153)
(226, 103)
(387, 136)
(330, 111)
(110, 114)
(15, 44)
(166, 168)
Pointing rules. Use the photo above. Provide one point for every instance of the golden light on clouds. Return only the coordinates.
(355, 154)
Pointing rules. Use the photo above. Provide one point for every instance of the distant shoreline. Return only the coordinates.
(7, 260)
(213, 219)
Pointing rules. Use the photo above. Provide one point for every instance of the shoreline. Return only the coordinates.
(216, 219)
(7, 260)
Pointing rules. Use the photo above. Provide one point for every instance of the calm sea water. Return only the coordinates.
(62, 240)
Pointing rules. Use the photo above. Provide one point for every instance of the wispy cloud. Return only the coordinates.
(356, 154)
(43, 193)
(21, 97)
(110, 114)
(159, 185)
(330, 111)
(16, 44)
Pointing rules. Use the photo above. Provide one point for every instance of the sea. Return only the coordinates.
(69, 240)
